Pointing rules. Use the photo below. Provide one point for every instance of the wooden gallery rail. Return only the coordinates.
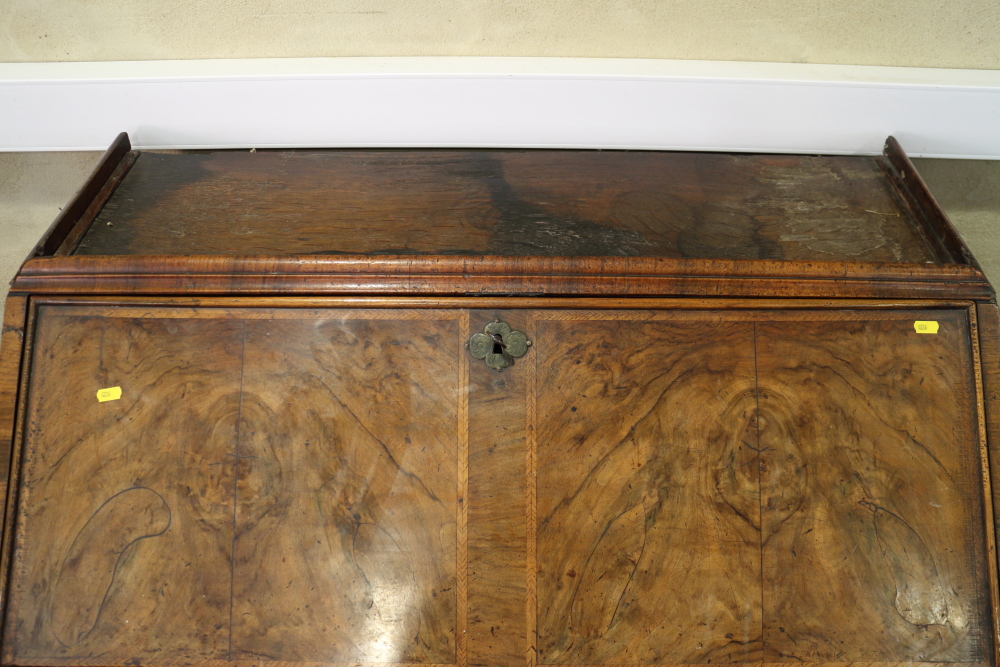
(499, 407)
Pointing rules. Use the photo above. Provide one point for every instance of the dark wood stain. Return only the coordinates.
(77, 215)
(508, 203)
(932, 223)
(83, 222)
(495, 277)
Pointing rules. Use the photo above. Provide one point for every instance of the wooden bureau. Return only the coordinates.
(499, 407)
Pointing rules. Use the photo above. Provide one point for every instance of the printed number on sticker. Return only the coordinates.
(109, 394)
(929, 327)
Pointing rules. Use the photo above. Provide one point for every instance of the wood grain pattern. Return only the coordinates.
(648, 513)
(18, 390)
(870, 484)
(11, 344)
(992, 578)
(988, 325)
(281, 307)
(347, 503)
(306, 468)
(497, 485)
(86, 217)
(531, 505)
(933, 223)
(462, 498)
(363, 491)
(79, 210)
(517, 222)
(122, 543)
(507, 202)
(497, 277)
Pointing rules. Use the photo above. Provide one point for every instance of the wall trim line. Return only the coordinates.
(501, 102)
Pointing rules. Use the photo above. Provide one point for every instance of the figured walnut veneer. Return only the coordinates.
(646, 487)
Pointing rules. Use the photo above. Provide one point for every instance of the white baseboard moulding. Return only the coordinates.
(502, 103)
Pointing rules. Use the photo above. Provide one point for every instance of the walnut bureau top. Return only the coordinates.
(499, 407)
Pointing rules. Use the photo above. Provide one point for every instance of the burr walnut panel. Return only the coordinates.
(648, 520)
(332, 486)
(124, 532)
(871, 485)
(347, 499)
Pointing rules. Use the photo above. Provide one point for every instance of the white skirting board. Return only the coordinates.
(500, 102)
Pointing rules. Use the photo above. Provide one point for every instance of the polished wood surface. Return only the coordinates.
(347, 500)
(77, 215)
(453, 222)
(11, 345)
(498, 482)
(663, 486)
(876, 493)
(509, 203)
(278, 307)
(935, 227)
(988, 316)
(86, 217)
(124, 535)
(307, 468)
(497, 276)
(648, 520)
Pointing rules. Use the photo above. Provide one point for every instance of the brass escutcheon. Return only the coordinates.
(498, 345)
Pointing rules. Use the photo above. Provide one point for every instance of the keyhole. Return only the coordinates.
(498, 344)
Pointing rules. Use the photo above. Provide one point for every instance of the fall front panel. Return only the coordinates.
(599, 502)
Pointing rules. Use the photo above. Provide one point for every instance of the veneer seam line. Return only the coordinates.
(236, 480)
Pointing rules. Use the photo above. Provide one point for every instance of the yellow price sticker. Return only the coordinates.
(929, 327)
(109, 394)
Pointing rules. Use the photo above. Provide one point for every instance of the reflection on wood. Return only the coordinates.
(123, 540)
(508, 202)
(346, 501)
(871, 499)
(648, 521)
(643, 488)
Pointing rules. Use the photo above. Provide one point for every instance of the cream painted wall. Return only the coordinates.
(909, 33)
(33, 189)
